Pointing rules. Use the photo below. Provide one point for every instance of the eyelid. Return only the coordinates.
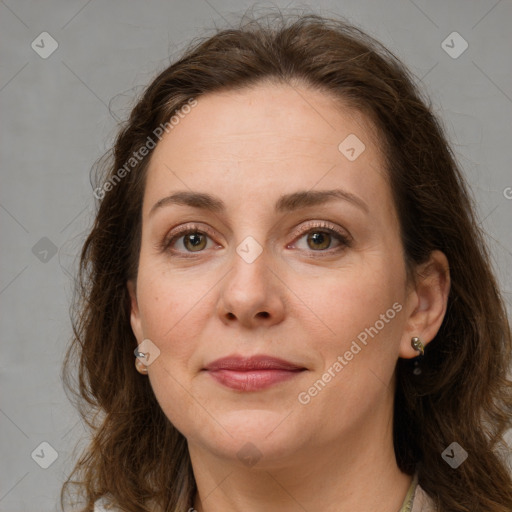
(343, 235)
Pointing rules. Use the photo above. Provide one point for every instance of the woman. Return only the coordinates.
(287, 251)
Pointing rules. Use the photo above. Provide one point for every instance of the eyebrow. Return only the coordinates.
(286, 203)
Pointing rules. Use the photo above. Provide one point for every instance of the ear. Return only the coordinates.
(426, 303)
(135, 318)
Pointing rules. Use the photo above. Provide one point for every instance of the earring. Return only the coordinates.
(417, 345)
(140, 366)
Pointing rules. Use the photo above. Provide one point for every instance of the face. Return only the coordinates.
(271, 264)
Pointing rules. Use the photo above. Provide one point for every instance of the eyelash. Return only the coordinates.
(343, 239)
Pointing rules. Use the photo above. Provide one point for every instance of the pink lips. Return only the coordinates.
(252, 373)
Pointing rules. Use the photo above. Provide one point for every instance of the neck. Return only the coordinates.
(356, 474)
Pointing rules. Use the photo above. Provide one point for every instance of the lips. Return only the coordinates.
(252, 373)
(262, 362)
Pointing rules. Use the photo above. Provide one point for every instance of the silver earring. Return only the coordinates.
(418, 345)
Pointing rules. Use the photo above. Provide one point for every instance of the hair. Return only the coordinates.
(136, 457)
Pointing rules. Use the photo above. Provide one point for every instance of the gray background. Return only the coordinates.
(59, 115)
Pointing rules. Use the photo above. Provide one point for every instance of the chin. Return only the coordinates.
(259, 438)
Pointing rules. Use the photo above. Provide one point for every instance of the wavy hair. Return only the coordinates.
(136, 457)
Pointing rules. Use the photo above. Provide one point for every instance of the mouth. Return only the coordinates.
(252, 373)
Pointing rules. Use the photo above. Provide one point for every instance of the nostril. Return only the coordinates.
(231, 316)
(264, 314)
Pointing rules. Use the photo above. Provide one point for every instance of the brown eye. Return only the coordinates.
(187, 241)
(318, 240)
(323, 238)
(194, 242)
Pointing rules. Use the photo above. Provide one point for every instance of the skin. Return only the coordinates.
(296, 301)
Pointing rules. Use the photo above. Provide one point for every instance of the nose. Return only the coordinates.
(251, 293)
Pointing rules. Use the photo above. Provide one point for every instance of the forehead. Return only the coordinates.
(249, 144)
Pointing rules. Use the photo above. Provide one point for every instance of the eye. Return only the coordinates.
(188, 239)
(322, 237)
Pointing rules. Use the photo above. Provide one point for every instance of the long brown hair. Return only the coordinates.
(136, 457)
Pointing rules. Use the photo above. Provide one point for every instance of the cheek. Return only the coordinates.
(353, 299)
(174, 308)
(160, 313)
(362, 309)
(166, 299)
(361, 314)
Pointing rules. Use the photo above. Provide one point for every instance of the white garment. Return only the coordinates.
(422, 501)
(98, 507)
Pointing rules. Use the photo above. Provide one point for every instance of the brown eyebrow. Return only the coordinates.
(286, 203)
